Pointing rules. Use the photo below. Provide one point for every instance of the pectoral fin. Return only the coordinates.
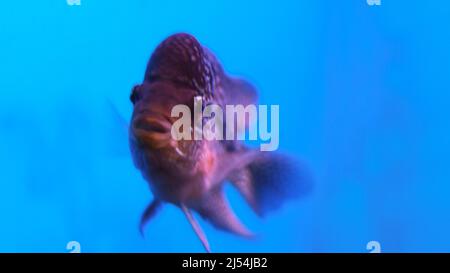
(149, 212)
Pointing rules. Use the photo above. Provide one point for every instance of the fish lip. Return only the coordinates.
(154, 127)
(152, 130)
(152, 124)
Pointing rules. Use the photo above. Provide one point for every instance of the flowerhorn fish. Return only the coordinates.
(191, 173)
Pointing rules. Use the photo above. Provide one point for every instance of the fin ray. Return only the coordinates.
(198, 230)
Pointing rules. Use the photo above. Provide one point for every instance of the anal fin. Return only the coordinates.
(215, 208)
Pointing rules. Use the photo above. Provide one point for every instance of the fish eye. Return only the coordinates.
(134, 97)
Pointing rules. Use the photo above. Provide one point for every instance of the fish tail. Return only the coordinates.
(198, 230)
(271, 179)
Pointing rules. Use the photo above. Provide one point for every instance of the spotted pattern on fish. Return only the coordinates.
(181, 59)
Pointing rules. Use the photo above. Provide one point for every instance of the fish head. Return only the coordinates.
(152, 120)
(179, 70)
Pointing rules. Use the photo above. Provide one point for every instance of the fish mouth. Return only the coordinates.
(152, 131)
(153, 125)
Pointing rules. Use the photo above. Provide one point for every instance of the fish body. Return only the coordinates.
(191, 173)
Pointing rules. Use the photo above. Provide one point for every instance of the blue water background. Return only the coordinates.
(364, 95)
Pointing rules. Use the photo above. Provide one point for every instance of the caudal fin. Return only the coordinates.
(271, 179)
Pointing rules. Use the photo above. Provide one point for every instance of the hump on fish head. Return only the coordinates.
(181, 59)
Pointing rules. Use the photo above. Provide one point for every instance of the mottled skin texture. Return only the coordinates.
(190, 174)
